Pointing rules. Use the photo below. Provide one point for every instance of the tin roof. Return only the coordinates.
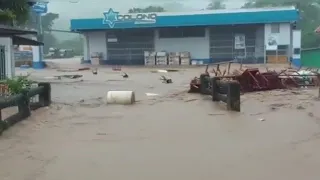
(115, 20)
(9, 30)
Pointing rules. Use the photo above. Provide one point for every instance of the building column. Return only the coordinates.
(37, 51)
(296, 48)
(86, 54)
(37, 57)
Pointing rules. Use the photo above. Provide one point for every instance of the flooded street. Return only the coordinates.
(172, 136)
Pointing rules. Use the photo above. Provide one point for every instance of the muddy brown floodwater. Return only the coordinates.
(173, 136)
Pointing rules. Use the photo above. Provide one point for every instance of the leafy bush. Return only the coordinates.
(7, 16)
(17, 84)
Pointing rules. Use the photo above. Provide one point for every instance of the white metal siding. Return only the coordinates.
(7, 42)
(296, 43)
(97, 41)
(296, 40)
(197, 46)
(86, 53)
(284, 37)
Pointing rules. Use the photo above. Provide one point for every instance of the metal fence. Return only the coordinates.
(128, 46)
(223, 43)
(22, 100)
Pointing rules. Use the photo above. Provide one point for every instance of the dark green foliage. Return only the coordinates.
(309, 12)
(147, 9)
(14, 10)
(18, 84)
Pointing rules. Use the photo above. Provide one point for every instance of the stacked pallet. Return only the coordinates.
(162, 58)
(149, 58)
(174, 58)
(185, 58)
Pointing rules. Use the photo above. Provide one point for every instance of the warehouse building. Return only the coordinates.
(264, 35)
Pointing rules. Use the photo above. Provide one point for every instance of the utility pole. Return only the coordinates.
(40, 8)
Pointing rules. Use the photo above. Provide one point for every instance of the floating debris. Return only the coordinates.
(125, 75)
(73, 70)
(166, 80)
(152, 94)
(95, 71)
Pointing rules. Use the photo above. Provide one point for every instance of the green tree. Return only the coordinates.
(216, 4)
(47, 21)
(147, 9)
(14, 11)
(310, 16)
(76, 44)
(49, 41)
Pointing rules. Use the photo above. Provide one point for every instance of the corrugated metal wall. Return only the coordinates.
(310, 58)
(197, 46)
(222, 43)
(217, 44)
(129, 47)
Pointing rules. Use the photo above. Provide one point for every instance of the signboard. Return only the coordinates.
(111, 18)
(272, 42)
(40, 7)
(239, 41)
(112, 40)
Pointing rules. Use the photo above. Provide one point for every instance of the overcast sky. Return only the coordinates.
(69, 9)
(94, 8)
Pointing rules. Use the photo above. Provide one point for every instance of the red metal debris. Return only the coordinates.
(252, 79)
(195, 85)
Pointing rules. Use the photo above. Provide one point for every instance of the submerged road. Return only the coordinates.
(173, 136)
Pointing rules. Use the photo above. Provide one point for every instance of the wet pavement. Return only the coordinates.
(172, 136)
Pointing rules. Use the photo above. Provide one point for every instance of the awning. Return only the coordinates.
(9, 31)
(18, 40)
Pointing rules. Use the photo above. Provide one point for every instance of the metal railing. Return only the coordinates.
(221, 90)
(25, 103)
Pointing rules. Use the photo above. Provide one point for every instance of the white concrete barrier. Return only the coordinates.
(120, 97)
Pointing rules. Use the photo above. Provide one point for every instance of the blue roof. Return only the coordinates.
(115, 20)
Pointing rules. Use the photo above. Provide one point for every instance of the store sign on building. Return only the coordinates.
(111, 18)
(40, 7)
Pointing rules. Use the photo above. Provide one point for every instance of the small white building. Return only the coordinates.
(257, 35)
(10, 36)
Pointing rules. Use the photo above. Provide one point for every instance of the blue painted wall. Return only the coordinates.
(272, 16)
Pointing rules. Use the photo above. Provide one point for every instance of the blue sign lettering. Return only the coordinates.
(111, 18)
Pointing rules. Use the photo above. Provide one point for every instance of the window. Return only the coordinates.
(181, 32)
(296, 51)
(275, 28)
(283, 50)
(283, 47)
(170, 33)
(194, 32)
